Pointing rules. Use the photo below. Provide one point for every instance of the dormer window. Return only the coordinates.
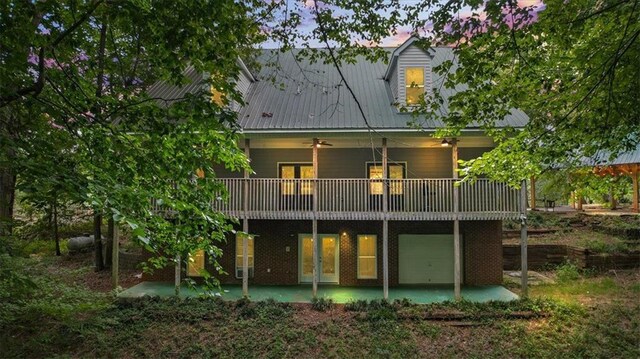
(414, 84)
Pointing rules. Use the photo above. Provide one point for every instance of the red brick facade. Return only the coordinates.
(276, 250)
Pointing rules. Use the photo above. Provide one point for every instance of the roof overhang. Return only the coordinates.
(351, 131)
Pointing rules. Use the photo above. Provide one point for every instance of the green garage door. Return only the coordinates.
(425, 258)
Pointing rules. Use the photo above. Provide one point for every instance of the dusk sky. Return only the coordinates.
(403, 33)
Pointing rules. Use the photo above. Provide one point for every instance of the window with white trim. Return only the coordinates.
(296, 171)
(367, 256)
(414, 85)
(239, 255)
(396, 171)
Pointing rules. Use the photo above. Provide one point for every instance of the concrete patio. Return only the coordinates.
(302, 293)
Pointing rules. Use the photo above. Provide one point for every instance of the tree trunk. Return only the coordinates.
(97, 235)
(55, 229)
(108, 251)
(99, 83)
(7, 199)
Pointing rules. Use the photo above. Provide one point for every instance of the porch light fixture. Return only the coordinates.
(445, 143)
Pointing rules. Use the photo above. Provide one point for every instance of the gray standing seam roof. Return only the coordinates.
(626, 158)
(173, 93)
(306, 97)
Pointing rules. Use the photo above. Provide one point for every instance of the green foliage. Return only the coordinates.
(381, 310)
(212, 327)
(93, 135)
(38, 247)
(359, 305)
(322, 304)
(567, 272)
(15, 287)
(29, 296)
(568, 65)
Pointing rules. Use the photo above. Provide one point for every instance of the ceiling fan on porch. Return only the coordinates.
(320, 143)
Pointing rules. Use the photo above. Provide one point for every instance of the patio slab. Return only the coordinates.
(302, 293)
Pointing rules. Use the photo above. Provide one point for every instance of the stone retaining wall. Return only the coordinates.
(541, 256)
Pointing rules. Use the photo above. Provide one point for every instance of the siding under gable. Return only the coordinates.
(412, 57)
(393, 84)
(242, 85)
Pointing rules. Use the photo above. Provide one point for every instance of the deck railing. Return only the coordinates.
(362, 199)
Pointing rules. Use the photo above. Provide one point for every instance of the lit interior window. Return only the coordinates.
(367, 251)
(414, 84)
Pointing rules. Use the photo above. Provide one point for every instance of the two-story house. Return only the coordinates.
(335, 199)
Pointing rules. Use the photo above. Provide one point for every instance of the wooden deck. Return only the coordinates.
(362, 199)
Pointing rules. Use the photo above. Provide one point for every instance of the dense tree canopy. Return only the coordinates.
(76, 115)
(74, 77)
(572, 66)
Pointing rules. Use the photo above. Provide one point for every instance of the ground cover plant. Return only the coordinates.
(582, 314)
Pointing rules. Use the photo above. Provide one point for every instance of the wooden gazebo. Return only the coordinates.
(627, 164)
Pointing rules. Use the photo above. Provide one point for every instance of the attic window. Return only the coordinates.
(414, 84)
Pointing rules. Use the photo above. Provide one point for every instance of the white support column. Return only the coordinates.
(115, 258)
(315, 220)
(245, 227)
(385, 221)
(524, 274)
(177, 275)
(457, 263)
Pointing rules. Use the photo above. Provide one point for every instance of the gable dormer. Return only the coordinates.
(242, 84)
(409, 73)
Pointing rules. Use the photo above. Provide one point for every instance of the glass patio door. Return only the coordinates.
(296, 194)
(328, 258)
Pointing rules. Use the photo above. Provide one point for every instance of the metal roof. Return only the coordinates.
(602, 158)
(304, 96)
(300, 96)
(167, 93)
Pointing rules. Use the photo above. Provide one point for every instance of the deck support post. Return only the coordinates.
(245, 227)
(115, 256)
(634, 178)
(533, 193)
(524, 274)
(457, 263)
(385, 222)
(177, 275)
(315, 220)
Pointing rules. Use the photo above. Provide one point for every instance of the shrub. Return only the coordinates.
(567, 271)
(359, 305)
(270, 309)
(381, 310)
(321, 304)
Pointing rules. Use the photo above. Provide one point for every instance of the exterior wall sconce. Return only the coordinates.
(446, 142)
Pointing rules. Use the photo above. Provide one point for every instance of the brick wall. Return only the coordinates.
(482, 241)
(482, 246)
